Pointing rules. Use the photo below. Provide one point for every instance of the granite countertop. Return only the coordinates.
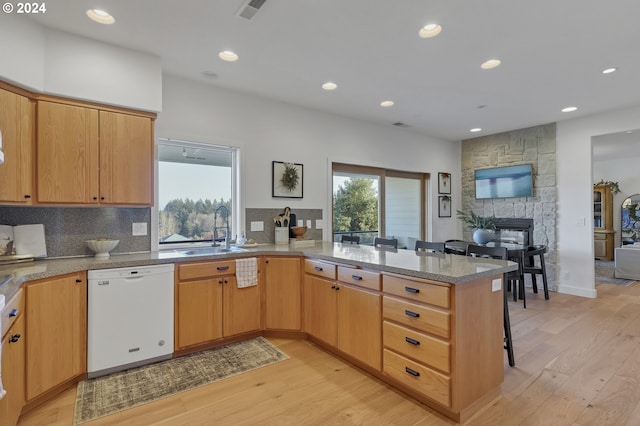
(449, 268)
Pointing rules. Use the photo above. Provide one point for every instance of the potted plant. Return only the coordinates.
(483, 226)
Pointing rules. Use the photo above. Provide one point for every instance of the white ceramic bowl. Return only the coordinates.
(102, 247)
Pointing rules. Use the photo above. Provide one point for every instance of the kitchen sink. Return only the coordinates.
(200, 251)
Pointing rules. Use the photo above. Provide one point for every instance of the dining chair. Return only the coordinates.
(429, 246)
(350, 239)
(531, 267)
(385, 242)
(498, 253)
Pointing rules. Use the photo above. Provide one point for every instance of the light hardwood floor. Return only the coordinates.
(577, 363)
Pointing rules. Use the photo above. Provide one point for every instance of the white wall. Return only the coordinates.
(50, 61)
(267, 130)
(575, 195)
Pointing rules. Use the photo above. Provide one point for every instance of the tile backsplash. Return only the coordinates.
(266, 216)
(67, 228)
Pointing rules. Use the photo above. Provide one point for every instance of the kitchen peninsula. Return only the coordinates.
(429, 324)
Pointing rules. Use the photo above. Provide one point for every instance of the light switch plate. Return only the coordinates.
(309, 224)
(257, 226)
(139, 228)
(319, 223)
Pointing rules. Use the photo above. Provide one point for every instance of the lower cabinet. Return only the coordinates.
(342, 314)
(56, 323)
(283, 293)
(13, 363)
(210, 305)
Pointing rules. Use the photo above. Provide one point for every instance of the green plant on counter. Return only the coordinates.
(473, 221)
(615, 188)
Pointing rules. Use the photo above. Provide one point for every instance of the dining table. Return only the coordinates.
(515, 252)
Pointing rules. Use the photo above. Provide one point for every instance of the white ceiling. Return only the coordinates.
(552, 52)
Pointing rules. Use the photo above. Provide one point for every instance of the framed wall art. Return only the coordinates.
(286, 180)
(444, 206)
(444, 183)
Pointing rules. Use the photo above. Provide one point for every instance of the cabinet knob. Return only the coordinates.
(102, 198)
(78, 280)
(95, 198)
(27, 196)
(14, 313)
(14, 338)
(337, 288)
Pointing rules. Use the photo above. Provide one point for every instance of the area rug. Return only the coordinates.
(126, 389)
(604, 274)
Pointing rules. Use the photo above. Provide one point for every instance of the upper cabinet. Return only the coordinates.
(86, 155)
(16, 125)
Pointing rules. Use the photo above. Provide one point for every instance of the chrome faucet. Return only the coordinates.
(227, 242)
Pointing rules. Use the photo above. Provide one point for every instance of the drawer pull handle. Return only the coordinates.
(414, 373)
(14, 338)
(222, 268)
(356, 277)
(333, 287)
(412, 290)
(412, 314)
(14, 313)
(412, 341)
(317, 268)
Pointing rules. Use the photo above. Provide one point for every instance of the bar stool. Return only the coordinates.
(530, 267)
(429, 246)
(350, 239)
(385, 242)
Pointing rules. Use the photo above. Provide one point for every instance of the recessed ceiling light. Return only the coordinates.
(228, 55)
(329, 86)
(386, 103)
(569, 109)
(476, 129)
(430, 30)
(609, 70)
(100, 16)
(491, 63)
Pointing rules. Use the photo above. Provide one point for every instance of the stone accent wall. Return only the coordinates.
(535, 145)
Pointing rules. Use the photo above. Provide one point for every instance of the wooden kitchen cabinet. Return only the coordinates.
(89, 156)
(343, 308)
(603, 232)
(56, 323)
(283, 293)
(13, 360)
(17, 114)
(210, 305)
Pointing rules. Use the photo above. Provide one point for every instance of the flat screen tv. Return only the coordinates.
(504, 182)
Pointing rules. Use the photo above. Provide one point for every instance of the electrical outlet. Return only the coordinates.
(139, 229)
(309, 224)
(257, 226)
(319, 223)
(496, 284)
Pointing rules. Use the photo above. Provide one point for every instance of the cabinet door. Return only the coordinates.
(57, 328)
(360, 325)
(320, 309)
(13, 352)
(241, 308)
(199, 311)
(126, 159)
(67, 154)
(17, 126)
(283, 294)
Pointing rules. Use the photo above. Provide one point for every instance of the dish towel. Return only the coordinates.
(247, 272)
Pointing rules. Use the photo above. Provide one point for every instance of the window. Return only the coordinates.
(371, 202)
(195, 191)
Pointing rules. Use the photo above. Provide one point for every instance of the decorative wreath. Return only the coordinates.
(290, 177)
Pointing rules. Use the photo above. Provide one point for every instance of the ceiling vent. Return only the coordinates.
(401, 124)
(249, 8)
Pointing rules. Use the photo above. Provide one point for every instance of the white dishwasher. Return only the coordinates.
(129, 317)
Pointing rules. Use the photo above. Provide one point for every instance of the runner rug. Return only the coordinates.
(106, 395)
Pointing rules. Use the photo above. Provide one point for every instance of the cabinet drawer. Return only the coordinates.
(321, 269)
(359, 277)
(598, 236)
(417, 316)
(8, 315)
(417, 346)
(206, 269)
(428, 382)
(420, 291)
